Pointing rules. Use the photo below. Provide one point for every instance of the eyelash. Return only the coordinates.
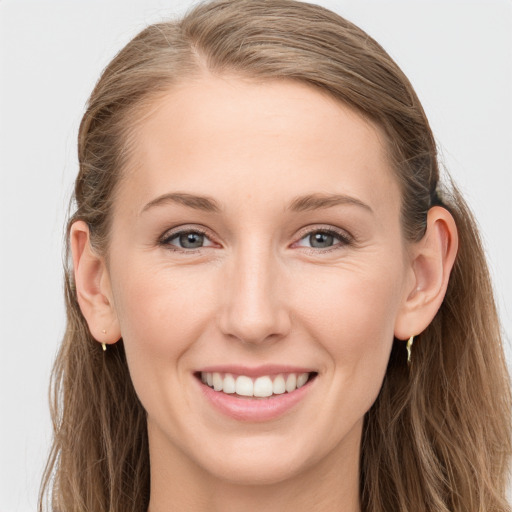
(344, 238)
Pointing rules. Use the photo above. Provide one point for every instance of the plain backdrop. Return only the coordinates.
(458, 55)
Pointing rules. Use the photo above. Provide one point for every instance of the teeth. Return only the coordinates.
(279, 386)
(217, 382)
(229, 385)
(244, 386)
(302, 379)
(291, 382)
(260, 387)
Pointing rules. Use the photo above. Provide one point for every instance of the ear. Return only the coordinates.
(431, 261)
(93, 288)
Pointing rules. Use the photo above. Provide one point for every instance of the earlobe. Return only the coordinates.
(93, 288)
(432, 260)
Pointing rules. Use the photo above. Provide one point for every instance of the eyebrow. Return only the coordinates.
(203, 203)
(317, 201)
(309, 202)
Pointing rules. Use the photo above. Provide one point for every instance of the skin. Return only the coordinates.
(261, 290)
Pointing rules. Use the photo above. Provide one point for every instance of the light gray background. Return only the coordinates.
(458, 55)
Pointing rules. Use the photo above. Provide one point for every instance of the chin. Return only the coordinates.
(256, 471)
(263, 461)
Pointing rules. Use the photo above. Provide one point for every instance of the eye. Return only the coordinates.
(192, 240)
(185, 240)
(323, 239)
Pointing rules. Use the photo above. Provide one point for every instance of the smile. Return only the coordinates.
(260, 387)
(255, 395)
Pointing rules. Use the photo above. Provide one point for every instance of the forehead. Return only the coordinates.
(239, 139)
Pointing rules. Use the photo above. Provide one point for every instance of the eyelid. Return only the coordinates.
(343, 236)
(172, 233)
(324, 229)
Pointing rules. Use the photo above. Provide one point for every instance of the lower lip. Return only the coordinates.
(255, 409)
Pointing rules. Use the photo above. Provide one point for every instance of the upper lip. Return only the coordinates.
(256, 371)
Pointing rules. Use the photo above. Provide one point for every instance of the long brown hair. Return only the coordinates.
(438, 436)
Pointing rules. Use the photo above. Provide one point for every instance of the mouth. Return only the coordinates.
(255, 394)
(261, 386)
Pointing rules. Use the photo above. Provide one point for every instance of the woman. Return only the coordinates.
(273, 302)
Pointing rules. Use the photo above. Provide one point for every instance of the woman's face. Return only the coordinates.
(257, 236)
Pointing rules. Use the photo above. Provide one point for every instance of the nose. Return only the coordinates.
(254, 299)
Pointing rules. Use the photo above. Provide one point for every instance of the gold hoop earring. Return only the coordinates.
(409, 347)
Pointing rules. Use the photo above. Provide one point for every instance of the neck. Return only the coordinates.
(332, 484)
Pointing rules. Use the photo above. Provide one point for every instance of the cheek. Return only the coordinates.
(151, 296)
(351, 316)
(351, 313)
(345, 314)
(352, 301)
(161, 314)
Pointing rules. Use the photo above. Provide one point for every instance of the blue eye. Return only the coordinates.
(323, 239)
(188, 240)
(192, 240)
